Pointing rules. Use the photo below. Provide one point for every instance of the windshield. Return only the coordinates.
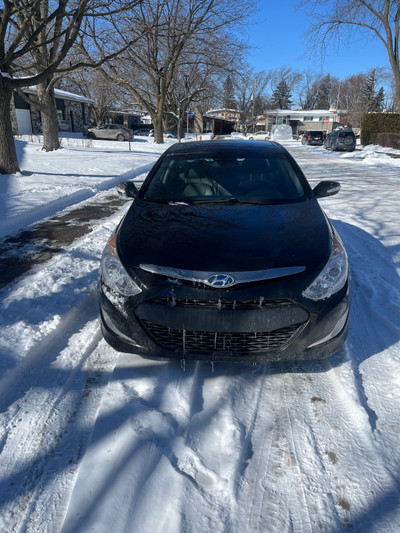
(187, 178)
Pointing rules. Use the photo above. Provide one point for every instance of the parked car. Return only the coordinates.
(341, 139)
(63, 125)
(170, 134)
(143, 132)
(225, 255)
(110, 131)
(313, 137)
(259, 136)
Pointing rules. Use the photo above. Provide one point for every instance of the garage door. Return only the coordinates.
(24, 121)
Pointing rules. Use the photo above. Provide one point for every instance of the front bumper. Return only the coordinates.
(250, 323)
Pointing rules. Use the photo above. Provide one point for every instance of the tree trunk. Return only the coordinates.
(8, 154)
(198, 120)
(397, 89)
(49, 117)
(158, 129)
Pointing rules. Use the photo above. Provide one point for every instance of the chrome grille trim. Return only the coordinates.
(197, 276)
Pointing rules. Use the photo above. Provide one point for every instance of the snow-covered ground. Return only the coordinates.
(95, 441)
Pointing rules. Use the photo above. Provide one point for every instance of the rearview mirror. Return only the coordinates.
(326, 188)
(127, 188)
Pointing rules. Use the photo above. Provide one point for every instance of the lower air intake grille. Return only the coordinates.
(209, 341)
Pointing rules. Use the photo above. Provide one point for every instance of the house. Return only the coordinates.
(72, 108)
(228, 114)
(221, 121)
(301, 120)
(131, 119)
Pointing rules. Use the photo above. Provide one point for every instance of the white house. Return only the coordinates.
(302, 119)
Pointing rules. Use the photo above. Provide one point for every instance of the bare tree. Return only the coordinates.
(171, 34)
(101, 93)
(194, 88)
(307, 93)
(251, 91)
(379, 19)
(350, 98)
(35, 39)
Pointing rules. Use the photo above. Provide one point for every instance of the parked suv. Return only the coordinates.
(341, 139)
(313, 137)
(110, 131)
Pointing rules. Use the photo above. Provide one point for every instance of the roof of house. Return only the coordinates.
(62, 94)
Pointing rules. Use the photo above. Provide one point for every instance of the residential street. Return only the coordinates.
(92, 440)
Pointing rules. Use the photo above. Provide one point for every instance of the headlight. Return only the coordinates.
(334, 275)
(114, 274)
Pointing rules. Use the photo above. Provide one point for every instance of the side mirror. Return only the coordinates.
(326, 188)
(127, 188)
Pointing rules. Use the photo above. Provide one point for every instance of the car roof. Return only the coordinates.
(220, 147)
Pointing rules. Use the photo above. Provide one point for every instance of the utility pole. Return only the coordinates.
(179, 117)
(187, 108)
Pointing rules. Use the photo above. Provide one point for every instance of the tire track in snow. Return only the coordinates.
(315, 466)
(49, 398)
(48, 427)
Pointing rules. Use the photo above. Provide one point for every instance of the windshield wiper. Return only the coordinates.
(232, 201)
(165, 202)
(225, 201)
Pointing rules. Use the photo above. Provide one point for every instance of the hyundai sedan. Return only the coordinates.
(225, 255)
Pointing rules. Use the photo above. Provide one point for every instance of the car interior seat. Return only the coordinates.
(196, 183)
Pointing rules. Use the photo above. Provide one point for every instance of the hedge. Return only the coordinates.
(379, 123)
(386, 139)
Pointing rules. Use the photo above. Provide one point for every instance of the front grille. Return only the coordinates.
(190, 303)
(209, 341)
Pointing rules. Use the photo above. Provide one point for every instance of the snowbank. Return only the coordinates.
(281, 132)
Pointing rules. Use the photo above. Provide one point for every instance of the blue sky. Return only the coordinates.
(280, 39)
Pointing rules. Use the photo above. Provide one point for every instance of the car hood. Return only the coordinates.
(215, 237)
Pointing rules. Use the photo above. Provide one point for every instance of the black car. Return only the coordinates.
(313, 137)
(225, 255)
(341, 139)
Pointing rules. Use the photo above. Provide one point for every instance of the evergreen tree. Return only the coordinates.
(373, 100)
(281, 97)
(229, 101)
(380, 100)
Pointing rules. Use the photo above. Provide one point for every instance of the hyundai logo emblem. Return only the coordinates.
(220, 280)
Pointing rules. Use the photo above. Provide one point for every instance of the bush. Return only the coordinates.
(386, 139)
(379, 123)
